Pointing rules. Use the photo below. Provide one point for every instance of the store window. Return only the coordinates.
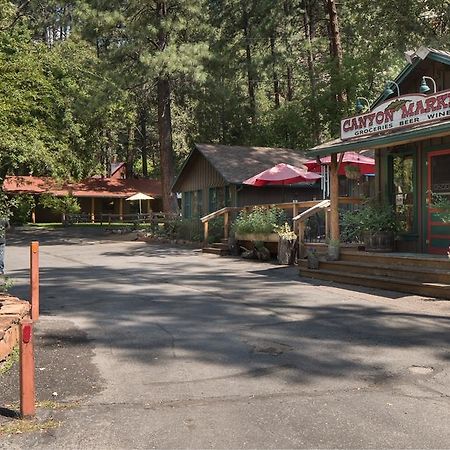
(403, 176)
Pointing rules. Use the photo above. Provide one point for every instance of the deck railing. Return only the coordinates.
(309, 207)
(106, 218)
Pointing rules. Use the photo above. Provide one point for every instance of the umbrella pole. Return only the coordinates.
(140, 206)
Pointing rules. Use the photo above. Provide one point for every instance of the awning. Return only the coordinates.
(418, 133)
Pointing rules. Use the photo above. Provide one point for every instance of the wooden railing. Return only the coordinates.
(311, 207)
(106, 218)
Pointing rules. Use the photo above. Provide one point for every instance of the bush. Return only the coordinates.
(61, 205)
(372, 217)
(21, 207)
(259, 220)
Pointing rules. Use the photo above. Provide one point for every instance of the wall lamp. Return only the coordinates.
(388, 89)
(359, 106)
(424, 88)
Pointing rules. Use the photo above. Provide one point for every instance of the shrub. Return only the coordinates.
(372, 217)
(259, 220)
(21, 207)
(62, 205)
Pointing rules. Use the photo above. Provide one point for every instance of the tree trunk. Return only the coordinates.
(165, 145)
(165, 121)
(276, 82)
(309, 36)
(334, 37)
(251, 82)
(143, 115)
(287, 6)
(130, 150)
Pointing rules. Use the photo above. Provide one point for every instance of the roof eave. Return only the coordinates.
(388, 140)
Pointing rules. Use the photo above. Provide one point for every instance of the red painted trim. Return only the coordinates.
(430, 211)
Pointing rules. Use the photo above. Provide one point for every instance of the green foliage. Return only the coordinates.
(61, 205)
(285, 231)
(372, 217)
(21, 207)
(259, 220)
(442, 203)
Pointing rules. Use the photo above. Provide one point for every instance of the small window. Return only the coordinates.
(187, 205)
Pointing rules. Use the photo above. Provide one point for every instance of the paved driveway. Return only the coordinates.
(153, 346)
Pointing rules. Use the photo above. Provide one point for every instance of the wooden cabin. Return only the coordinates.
(98, 197)
(212, 177)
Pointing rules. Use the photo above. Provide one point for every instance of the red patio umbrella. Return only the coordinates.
(366, 165)
(282, 174)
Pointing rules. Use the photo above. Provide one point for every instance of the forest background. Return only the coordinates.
(84, 83)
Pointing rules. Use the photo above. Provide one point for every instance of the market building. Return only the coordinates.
(408, 128)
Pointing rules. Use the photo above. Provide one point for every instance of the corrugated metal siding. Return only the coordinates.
(200, 174)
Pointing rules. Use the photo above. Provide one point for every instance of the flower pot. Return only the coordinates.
(380, 241)
(333, 252)
(353, 172)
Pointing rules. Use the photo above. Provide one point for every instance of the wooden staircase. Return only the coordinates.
(218, 248)
(419, 274)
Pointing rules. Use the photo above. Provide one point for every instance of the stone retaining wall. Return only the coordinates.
(12, 311)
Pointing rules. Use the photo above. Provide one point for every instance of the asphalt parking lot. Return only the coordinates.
(154, 346)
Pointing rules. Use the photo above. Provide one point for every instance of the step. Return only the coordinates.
(225, 241)
(422, 261)
(216, 251)
(423, 274)
(435, 290)
(220, 245)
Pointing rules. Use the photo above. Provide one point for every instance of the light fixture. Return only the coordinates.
(388, 90)
(424, 88)
(359, 106)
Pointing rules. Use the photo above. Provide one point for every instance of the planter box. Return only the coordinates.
(271, 237)
(379, 242)
(270, 241)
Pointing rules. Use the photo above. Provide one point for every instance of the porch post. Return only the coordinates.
(205, 233)
(92, 209)
(33, 216)
(226, 224)
(334, 199)
(121, 209)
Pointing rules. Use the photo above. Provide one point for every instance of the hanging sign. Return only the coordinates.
(399, 112)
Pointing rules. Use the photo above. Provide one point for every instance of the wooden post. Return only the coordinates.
(334, 199)
(205, 233)
(301, 243)
(26, 370)
(34, 279)
(226, 223)
(121, 209)
(92, 209)
(294, 208)
(33, 216)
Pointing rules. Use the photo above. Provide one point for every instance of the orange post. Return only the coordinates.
(27, 390)
(34, 279)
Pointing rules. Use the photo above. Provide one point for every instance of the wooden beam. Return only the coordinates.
(334, 199)
(226, 224)
(121, 209)
(205, 232)
(92, 209)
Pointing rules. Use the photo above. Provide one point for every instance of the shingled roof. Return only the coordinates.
(237, 163)
(91, 187)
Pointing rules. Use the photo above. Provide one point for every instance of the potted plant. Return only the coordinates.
(352, 172)
(334, 248)
(375, 224)
(259, 225)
